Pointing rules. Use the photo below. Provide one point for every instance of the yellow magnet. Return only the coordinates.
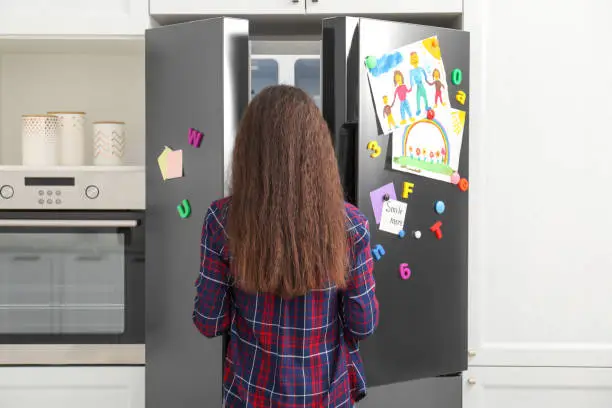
(373, 146)
(407, 189)
(460, 97)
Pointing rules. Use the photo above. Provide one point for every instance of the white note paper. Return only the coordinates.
(393, 216)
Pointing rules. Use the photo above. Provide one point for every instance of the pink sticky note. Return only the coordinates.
(378, 198)
(174, 164)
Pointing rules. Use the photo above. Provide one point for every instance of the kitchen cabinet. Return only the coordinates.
(225, 7)
(537, 387)
(539, 250)
(72, 387)
(343, 7)
(73, 17)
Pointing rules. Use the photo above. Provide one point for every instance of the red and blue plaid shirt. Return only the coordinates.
(302, 352)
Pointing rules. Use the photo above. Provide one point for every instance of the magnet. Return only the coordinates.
(457, 76)
(195, 137)
(460, 97)
(455, 178)
(404, 271)
(431, 114)
(407, 189)
(184, 209)
(386, 197)
(416, 234)
(373, 146)
(463, 184)
(371, 62)
(378, 251)
(440, 207)
(402, 234)
(436, 229)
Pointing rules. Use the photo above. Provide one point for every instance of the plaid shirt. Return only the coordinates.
(302, 352)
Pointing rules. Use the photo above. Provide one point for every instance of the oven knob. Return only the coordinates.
(6, 191)
(92, 192)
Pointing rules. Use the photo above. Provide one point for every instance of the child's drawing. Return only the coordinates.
(430, 147)
(414, 75)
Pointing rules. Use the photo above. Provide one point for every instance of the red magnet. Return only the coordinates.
(436, 229)
(404, 271)
(463, 184)
(431, 114)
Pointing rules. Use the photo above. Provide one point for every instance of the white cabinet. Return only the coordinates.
(539, 240)
(72, 387)
(73, 17)
(344, 7)
(225, 7)
(537, 387)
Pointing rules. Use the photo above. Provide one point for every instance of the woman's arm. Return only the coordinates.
(211, 313)
(359, 306)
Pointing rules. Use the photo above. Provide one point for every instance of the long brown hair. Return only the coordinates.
(286, 223)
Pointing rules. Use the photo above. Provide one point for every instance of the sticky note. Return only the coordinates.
(393, 216)
(378, 198)
(174, 164)
(162, 161)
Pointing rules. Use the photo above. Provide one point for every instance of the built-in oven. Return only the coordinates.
(72, 266)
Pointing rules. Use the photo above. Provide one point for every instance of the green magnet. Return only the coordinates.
(371, 62)
(184, 209)
(457, 76)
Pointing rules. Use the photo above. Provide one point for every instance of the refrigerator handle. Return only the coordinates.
(346, 153)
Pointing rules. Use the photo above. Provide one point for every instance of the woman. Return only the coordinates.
(286, 266)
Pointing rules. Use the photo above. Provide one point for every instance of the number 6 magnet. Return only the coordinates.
(404, 271)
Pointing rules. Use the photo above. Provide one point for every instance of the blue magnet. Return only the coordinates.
(378, 251)
(440, 207)
(402, 234)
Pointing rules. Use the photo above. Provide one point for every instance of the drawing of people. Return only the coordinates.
(387, 113)
(417, 77)
(439, 86)
(401, 92)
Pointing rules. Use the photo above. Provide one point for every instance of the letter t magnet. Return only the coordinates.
(436, 229)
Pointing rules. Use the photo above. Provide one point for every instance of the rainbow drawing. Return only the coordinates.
(438, 126)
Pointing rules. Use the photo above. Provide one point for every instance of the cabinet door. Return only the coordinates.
(225, 7)
(73, 17)
(72, 387)
(539, 251)
(537, 387)
(383, 7)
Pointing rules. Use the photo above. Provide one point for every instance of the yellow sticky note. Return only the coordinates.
(162, 161)
(174, 164)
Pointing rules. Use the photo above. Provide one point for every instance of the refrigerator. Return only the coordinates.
(197, 77)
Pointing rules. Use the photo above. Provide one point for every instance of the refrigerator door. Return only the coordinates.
(423, 320)
(197, 76)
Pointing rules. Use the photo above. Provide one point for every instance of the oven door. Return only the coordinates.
(72, 287)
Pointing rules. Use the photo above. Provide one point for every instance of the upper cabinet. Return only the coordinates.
(225, 7)
(344, 7)
(73, 17)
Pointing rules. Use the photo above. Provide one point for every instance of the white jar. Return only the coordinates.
(108, 143)
(71, 137)
(39, 140)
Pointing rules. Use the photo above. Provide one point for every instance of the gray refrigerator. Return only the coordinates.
(197, 77)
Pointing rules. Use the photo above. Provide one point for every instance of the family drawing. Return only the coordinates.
(418, 79)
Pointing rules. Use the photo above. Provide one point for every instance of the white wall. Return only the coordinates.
(105, 86)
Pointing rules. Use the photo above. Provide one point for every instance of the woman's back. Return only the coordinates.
(294, 317)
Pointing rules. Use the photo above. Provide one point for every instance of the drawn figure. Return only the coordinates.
(417, 77)
(439, 85)
(388, 114)
(401, 91)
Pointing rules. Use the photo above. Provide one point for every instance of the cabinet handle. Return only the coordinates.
(31, 258)
(471, 381)
(86, 258)
(472, 353)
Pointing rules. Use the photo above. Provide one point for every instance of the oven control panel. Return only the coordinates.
(72, 188)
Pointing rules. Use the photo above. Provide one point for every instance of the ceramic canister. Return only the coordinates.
(39, 140)
(71, 137)
(108, 143)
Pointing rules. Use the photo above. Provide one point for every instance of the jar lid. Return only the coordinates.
(38, 116)
(66, 113)
(109, 122)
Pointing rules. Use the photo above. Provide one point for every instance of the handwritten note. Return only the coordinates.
(393, 216)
